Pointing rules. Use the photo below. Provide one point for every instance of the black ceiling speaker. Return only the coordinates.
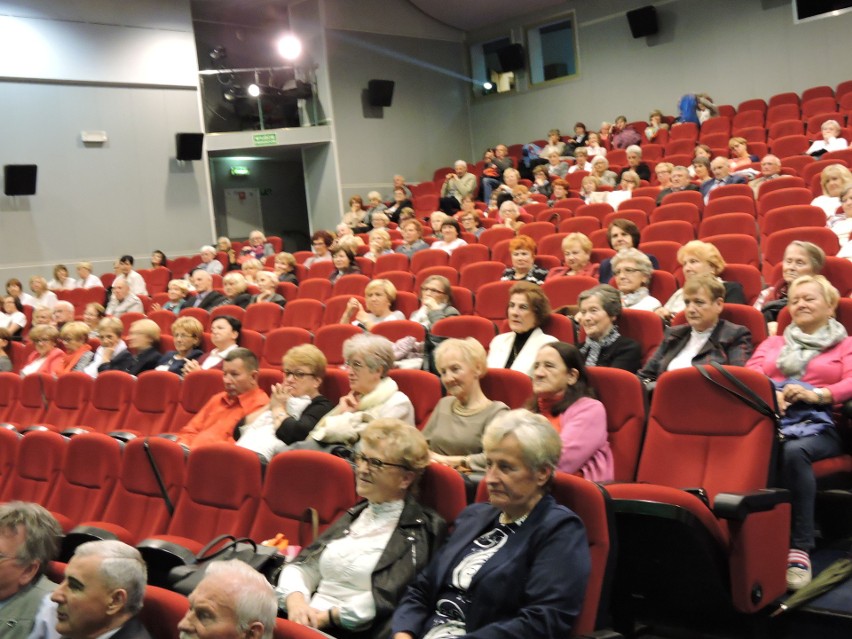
(19, 179)
(189, 145)
(511, 58)
(380, 93)
(643, 21)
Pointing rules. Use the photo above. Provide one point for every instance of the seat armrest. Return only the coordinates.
(738, 506)
(170, 436)
(124, 435)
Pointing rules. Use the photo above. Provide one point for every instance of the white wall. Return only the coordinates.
(731, 49)
(125, 68)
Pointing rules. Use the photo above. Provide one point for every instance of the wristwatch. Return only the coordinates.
(820, 393)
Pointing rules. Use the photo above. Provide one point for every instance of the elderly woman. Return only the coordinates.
(700, 258)
(511, 179)
(178, 292)
(541, 182)
(454, 431)
(521, 195)
(629, 182)
(600, 170)
(502, 571)
(109, 333)
(594, 148)
(380, 244)
(469, 221)
(800, 258)
(224, 334)
(87, 279)
(556, 166)
(635, 163)
(92, 315)
(41, 294)
(621, 234)
(509, 215)
(450, 239)
(833, 179)
(600, 308)
(655, 125)
(436, 299)
(354, 217)
(61, 281)
(321, 242)
(224, 244)
(412, 238)
(187, 333)
(75, 336)
(811, 366)
(577, 255)
(141, 354)
(235, 287)
(379, 298)
(344, 263)
(16, 290)
(380, 220)
(351, 579)
(704, 338)
(581, 161)
(42, 316)
(831, 140)
(373, 394)
(528, 310)
(560, 192)
(257, 247)
(267, 282)
(47, 358)
(633, 270)
(522, 250)
(12, 317)
(5, 360)
(374, 205)
(841, 223)
(563, 394)
(663, 172)
(285, 268)
(740, 157)
(400, 201)
(250, 268)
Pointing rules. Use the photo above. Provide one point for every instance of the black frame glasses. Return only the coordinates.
(374, 463)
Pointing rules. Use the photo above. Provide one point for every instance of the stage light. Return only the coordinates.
(290, 47)
(487, 86)
(254, 90)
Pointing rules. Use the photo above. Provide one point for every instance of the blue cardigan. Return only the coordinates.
(532, 587)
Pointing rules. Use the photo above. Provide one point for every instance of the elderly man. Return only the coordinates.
(241, 402)
(721, 176)
(29, 539)
(456, 186)
(233, 601)
(100, 596)
(205, 297)
(63, 313)
(679, 182)
(122, 300)
(770, 168)
(209, 263)
(399, 183)
(125, 270)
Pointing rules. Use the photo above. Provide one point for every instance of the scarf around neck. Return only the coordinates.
(592, 348)
(800, 347)
(631, 299)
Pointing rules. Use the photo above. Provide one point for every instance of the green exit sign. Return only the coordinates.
(265, 139)
(240, 170)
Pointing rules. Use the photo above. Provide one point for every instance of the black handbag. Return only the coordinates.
(265, 559)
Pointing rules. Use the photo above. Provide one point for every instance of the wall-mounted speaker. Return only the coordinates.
(19, 179)
(511, 58)
(643, 21)
(189, 145)
(380, 93)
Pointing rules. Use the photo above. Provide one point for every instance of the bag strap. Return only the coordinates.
(747, 397)
(314, 521)
(205, 555)
(165, 493)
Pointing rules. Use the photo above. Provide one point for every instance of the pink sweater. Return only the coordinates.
(585, 446)
(831, 369)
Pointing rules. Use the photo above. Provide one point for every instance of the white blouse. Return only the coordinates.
(343, 577)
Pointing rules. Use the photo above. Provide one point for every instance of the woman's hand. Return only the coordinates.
(298, 611)
(782, 402)
(106, 354)
(348, 403)
(664, 313)
(278, 398)
(431, 303)
(155, 307)
(795, 393)
(191, 366)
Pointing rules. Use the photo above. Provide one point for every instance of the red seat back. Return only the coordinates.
(442, 489)
(511, 387)
(480, 328)
(197, 388)
(279, 341)
(492, 300)
(155, 398)
(110, 402)
(262, 317)
(70, 400)
(624, 397)
(162, 611)
(329, 339)
(422, 388)
(10, 390)
(41, 454)
(303, 313)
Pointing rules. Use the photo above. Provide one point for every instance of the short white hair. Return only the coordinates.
(253, 597)
(122, 567)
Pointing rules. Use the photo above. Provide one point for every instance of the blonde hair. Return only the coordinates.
(386, 287)
(577, 238)
(306, 355)
(705, 252)
(470, 350)
(829, 292)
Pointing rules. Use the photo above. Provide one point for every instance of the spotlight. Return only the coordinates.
(254, 90)
(487, 86)
(290, 47)
(218, 53)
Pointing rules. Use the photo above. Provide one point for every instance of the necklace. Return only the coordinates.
(504, 519)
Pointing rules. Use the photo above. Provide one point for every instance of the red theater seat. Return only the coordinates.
(279, 341)
(422, 388)
(303, 313)
(460, 327)
(41, 455)
(153, 405)
(110, 402)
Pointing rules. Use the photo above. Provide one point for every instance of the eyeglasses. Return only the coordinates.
(434, 291)
(375, 463)
(355, 366)
(297, 374)
(41, 340)
(626, 271)
(181, 336)
(4, 558)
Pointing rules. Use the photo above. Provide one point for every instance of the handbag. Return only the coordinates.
(264, 559)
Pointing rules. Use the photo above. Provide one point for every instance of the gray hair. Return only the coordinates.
(207, 249)
(609, 296)
(457, 162)
(121, 567)
(637, 256)
(376, 350)
(41, 532)
(599, 159)
(65, 305)
(541, 446)
(468, 349)
(634, 148)
(253, 597)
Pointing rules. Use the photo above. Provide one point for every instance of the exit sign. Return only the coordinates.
(265, 139)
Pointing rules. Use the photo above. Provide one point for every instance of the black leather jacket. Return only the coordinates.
(418, 536)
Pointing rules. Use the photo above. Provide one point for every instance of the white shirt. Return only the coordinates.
(136, 283)
(17, 318)
(831, 144)
(690, 350)
(69, 284)
(259, 436)
(48, 299)
(215, 357)
(648, 303)
(92, 369)
(449, 247)
(91, 281)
